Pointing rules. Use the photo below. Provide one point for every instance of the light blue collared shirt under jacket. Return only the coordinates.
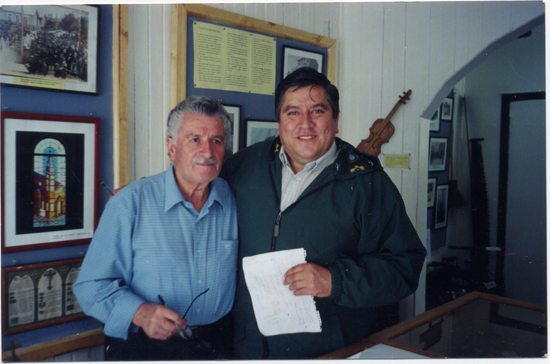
(151, 242)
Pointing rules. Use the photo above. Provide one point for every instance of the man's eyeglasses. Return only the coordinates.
(187, 333)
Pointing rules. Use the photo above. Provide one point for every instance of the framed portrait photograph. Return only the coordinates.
(294, 58)
(50, 173)
(232, 141)
(52, 47)
(432, 184)
(260, 130)
(434, 121)
(441, 204)
(447, 109)
(438, 154)
(39, 295)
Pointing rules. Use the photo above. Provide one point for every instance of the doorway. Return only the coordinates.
(521, 221)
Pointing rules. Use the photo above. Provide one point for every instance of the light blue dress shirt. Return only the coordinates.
(151, 241)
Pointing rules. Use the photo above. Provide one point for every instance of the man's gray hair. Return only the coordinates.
(196, 105)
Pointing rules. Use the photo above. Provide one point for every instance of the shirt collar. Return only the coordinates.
(322, 162)
(174, 196)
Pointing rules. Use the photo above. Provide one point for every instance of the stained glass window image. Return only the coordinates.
(49, 183)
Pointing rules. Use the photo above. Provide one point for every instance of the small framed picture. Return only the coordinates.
(447, 109)
(294, 58)
(432, 184)
(438, 154)
(441, 203)
(39, 295)
(232, 141)
(260, 130)
(50, 180)
(54, 48)
(434, 121)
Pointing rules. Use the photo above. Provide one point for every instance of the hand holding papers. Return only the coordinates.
(277, 309)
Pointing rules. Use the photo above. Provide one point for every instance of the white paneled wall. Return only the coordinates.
(94, 353)
(383, 49)
(149, 43)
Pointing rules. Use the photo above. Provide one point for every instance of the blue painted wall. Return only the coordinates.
(74, 104)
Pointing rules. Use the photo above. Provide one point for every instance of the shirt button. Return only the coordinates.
(198, 310)
(200, 280)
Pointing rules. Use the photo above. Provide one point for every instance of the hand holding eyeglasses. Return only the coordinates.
(158, 321)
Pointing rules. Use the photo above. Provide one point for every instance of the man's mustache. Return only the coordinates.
(212, 161)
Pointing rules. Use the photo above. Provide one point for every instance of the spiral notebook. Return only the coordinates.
(276, 308)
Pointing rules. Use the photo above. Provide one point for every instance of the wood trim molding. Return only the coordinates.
(120, 96)
(180, 12)
(54, 348)
(178, 55)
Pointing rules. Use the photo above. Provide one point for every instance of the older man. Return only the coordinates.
(309, 189)
(164, 242)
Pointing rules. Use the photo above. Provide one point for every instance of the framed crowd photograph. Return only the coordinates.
(52, 47)
(50, 172)
(232, 141)
(260, 130)
(438, 154)
(294, 58)
(441, 204)
(434, 121)
(447, 109)
(432, 184)
(39, 295)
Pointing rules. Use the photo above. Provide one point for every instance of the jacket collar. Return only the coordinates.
(349, 163)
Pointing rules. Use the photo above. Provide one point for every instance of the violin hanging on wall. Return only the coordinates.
(382, 129)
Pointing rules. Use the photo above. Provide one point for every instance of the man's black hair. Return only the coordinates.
(303, 77)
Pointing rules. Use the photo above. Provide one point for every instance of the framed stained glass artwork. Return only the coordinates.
(50, 167)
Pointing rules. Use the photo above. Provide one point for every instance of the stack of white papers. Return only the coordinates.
(277, 309)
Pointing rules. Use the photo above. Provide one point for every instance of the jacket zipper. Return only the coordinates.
(276, 231)
(277, 227)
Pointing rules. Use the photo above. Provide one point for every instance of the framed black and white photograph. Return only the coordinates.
(260, 130)
(447, 109)
(441, 203)
(232, 141)
(432, 184)
(434, 121)
(294, 58)
(52, 47)
(50, 175)
(438, 154)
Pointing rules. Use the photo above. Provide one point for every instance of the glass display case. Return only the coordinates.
(476, 325)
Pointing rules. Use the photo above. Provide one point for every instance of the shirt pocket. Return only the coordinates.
(226, 263)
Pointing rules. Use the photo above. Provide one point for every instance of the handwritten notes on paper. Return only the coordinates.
(233, 60)
(276, 308)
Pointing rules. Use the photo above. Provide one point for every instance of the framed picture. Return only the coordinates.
(432, 184)
(232, 141)
(39, 295)
(50, 172)
(438, 154)
(50, 47)
(441, 203)
(434, 121)
(447, 109)
(294, 58)
(260, 130)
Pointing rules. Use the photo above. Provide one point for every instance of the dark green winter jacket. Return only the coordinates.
(351, 220)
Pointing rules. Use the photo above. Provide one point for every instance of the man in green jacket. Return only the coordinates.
(309, 189)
